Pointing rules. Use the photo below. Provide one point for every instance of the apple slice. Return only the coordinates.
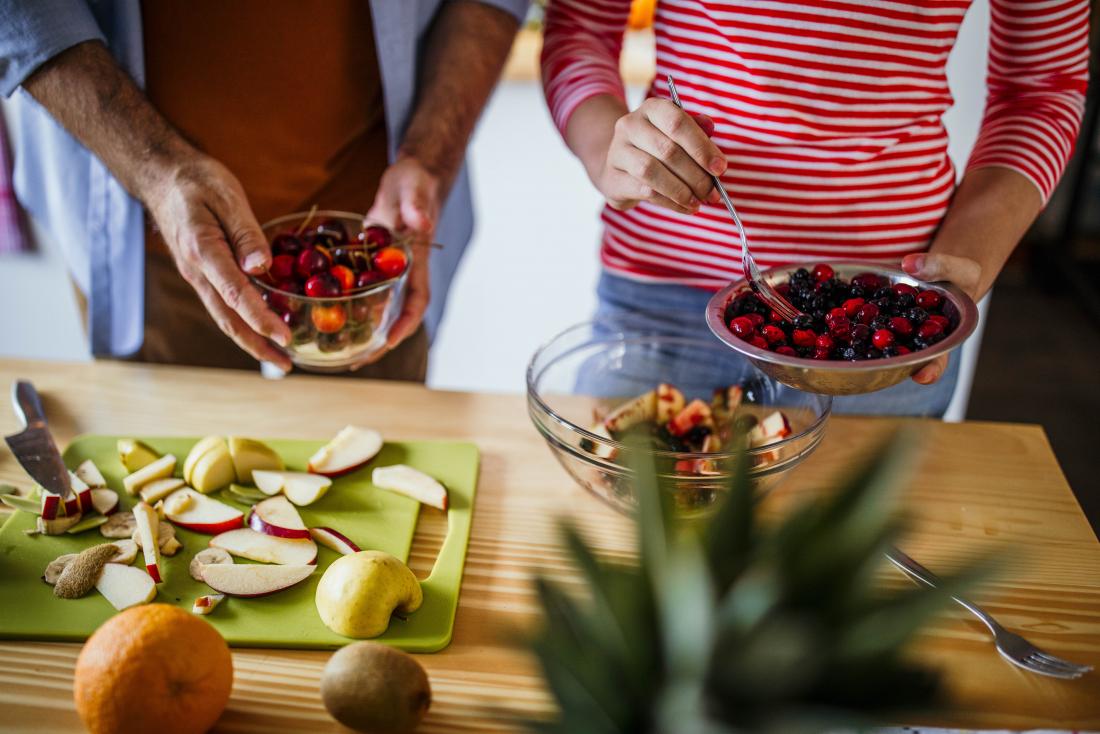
(135, 454)
(158, 489)
(300, 488)
(670, 401)
(125, 586)
(247, 543)
(253, 579)
(276, 516)
(105, 501)
(82, 492)
(772, 428)
(201, 447)
(206, 603)
(145, 520)
(89, 473)
(248, 454)
(348, 450)
(599, 449)
(52, 506)
(334, 540)
(194, 511)
(411, 483)
(632, 412)
(159, 469)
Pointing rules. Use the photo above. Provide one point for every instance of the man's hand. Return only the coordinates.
(408, 202)
(196, 203)
(204, 217)
(963, 272)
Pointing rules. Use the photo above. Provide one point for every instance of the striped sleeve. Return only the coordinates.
(1038, 71)
(582, 40)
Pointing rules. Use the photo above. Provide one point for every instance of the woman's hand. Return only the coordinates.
(930, 266)
(660, 154)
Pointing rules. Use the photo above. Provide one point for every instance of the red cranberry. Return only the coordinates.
(756, 319)
(286, 244)
(758, 341)
(929, 300)
(852, 306)
(803, 338)
(773, 334)
(310, 262)
(821, 354)
(929, 330)
(835, 315)
(902, 289)
(368, 278)
(786, 351)
(282, 267)
(882, 338)
(376, 236)
(941, 320)
(866, 313)
(867, 281)
(901, 326)
(774, 317)
(824, 342)
(902, 349)
(822, 272)
(841, 329)
(741, 326)
(323, 286)
(860, 333)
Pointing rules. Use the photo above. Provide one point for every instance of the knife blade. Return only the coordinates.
(34, 447)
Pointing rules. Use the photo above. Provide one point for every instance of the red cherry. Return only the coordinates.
(329, 319)
(851, 306)
(786, 351)
(290, 286)
(322, 286)
(344, 276)
(882, 338)
(929, 330)
(803, 338)
(867, 313)
(773, 334)
(376, 236)
(901, 326)
(310, 262)
(758, 341)
(359, 310)
(742, 327)
(822, 272)
(367, 278)
(286, 244)
(929, 300)
(390, 261)
(291, 319)
(282, 267)
(900, 289)
(824, 342)
(279, 302)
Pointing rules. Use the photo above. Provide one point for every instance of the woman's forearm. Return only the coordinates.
(992, 209)
(590, 130)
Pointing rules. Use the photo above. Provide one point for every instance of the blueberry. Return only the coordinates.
(917, 315)
(883, 293)
(848, 353)
(880, 322)
(890, 352)
(857, 292)
(905, 300)
(803, 321)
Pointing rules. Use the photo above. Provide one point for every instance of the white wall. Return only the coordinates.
(532, 266)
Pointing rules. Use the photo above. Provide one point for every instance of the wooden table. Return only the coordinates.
(981, 487)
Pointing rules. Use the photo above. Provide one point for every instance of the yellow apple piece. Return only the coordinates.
(159, 469)
(197, 451)
(89, 473)
(125, 586)
(359, 592)
(249, 454)
(158, 489)
(213, 470)
(134, 454)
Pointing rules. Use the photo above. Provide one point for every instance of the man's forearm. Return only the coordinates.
(87, 92)
(464, 54)
(991, 211)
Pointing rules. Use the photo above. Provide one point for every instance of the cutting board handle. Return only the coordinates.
(27, 404)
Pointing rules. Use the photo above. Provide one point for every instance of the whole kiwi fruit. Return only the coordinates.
(375, 689)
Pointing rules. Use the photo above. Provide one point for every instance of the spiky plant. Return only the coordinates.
(734, 625)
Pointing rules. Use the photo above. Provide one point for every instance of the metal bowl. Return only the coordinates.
(595, 366)
(837, 377)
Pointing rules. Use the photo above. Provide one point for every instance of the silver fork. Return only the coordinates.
(1013, 648)
(763, 288)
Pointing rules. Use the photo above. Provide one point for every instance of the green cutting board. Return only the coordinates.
(372, 518)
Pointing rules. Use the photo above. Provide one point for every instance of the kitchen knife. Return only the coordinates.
(35, 450)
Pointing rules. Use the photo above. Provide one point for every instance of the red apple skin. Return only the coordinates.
(51, 503)
(212, 529)
(85, 500)
(72, 506)
(339, 472)
(258, 524)
(352, 547)
(154, 572)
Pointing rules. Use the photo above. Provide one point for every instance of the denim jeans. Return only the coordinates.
(684, 307)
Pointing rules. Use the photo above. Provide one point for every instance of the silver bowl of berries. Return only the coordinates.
(612, 397)
(338, 285)
(865, 327)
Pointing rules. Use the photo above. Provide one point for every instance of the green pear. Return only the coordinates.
(249, 454)
(371, 687)
(134, 454)
(359, 592)
(197, 451)
(214, 469)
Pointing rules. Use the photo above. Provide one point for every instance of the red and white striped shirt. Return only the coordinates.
(830, 115)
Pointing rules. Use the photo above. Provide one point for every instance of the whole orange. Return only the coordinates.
(153, 668)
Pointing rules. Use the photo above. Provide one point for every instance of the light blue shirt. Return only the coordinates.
(99, 226)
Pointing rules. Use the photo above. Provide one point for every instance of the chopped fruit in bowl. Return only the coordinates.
(616, 396)
(339, 293)
(863, 327)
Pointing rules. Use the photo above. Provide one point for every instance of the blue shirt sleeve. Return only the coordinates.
(34, 31)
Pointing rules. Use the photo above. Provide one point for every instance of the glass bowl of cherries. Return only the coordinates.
(865, 326)
(338, 285)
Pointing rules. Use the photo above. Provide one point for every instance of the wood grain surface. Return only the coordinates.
(980, 488)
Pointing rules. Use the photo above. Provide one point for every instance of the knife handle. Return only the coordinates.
(27, 404)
